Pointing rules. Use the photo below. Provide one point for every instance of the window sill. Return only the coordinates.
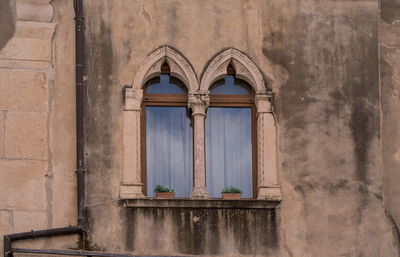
(200, 203)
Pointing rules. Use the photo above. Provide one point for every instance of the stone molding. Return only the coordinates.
(198, 100)
(180, 68)
(267, 170)
(244, 67)
(34, 10)
(131, 186)
(194, 203)
(30, 47)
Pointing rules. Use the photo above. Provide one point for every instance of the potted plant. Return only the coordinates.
(231, 193)
(164, 192)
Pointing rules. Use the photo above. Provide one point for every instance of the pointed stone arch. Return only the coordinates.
(244, 67)
(180, 68)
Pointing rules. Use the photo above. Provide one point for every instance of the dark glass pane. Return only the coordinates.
(169, 149)
(229, 150)
(231, 86)
(165, 84)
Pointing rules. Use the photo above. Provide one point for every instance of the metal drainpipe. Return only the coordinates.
(8, 239)
(81, 168)
(80, 91)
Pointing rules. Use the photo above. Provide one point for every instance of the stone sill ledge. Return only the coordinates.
(200, 203)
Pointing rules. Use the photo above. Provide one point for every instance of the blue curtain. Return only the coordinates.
(169, 149)
(229, 150)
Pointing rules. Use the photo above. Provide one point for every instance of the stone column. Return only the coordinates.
(131, 185)
(198, 103)
(268, 184)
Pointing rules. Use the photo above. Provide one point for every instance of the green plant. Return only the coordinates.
(231, 190)
(163, 189)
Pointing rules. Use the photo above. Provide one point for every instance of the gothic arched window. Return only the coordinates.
(230, 136)
(168, 135)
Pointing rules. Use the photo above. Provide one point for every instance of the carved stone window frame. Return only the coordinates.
(268, 187)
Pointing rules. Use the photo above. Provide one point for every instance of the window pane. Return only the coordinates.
(165, 84)
(229, 150)
(231, 86)
(169, 149)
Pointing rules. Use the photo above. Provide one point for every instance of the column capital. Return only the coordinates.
(264, 102)
(199, 102)
(133, 99)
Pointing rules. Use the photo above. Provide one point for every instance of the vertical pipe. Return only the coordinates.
(80, 90)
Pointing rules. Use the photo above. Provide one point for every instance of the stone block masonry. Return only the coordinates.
(25, 75)
(23, 90)
(26, 135)
(22, 185)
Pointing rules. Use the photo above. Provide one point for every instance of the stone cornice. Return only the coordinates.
(200, 203)
(39, 30)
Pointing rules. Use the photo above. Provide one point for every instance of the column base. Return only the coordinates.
(129, 191)
(199, 193)
(272, 192)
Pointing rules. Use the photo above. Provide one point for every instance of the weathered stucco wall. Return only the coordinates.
(389, 45)
(328, 111)
(202, 231)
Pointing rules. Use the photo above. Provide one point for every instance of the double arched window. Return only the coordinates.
(199, 136)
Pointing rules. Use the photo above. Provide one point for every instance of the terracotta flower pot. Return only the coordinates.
(231, 196)
(166, 195)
